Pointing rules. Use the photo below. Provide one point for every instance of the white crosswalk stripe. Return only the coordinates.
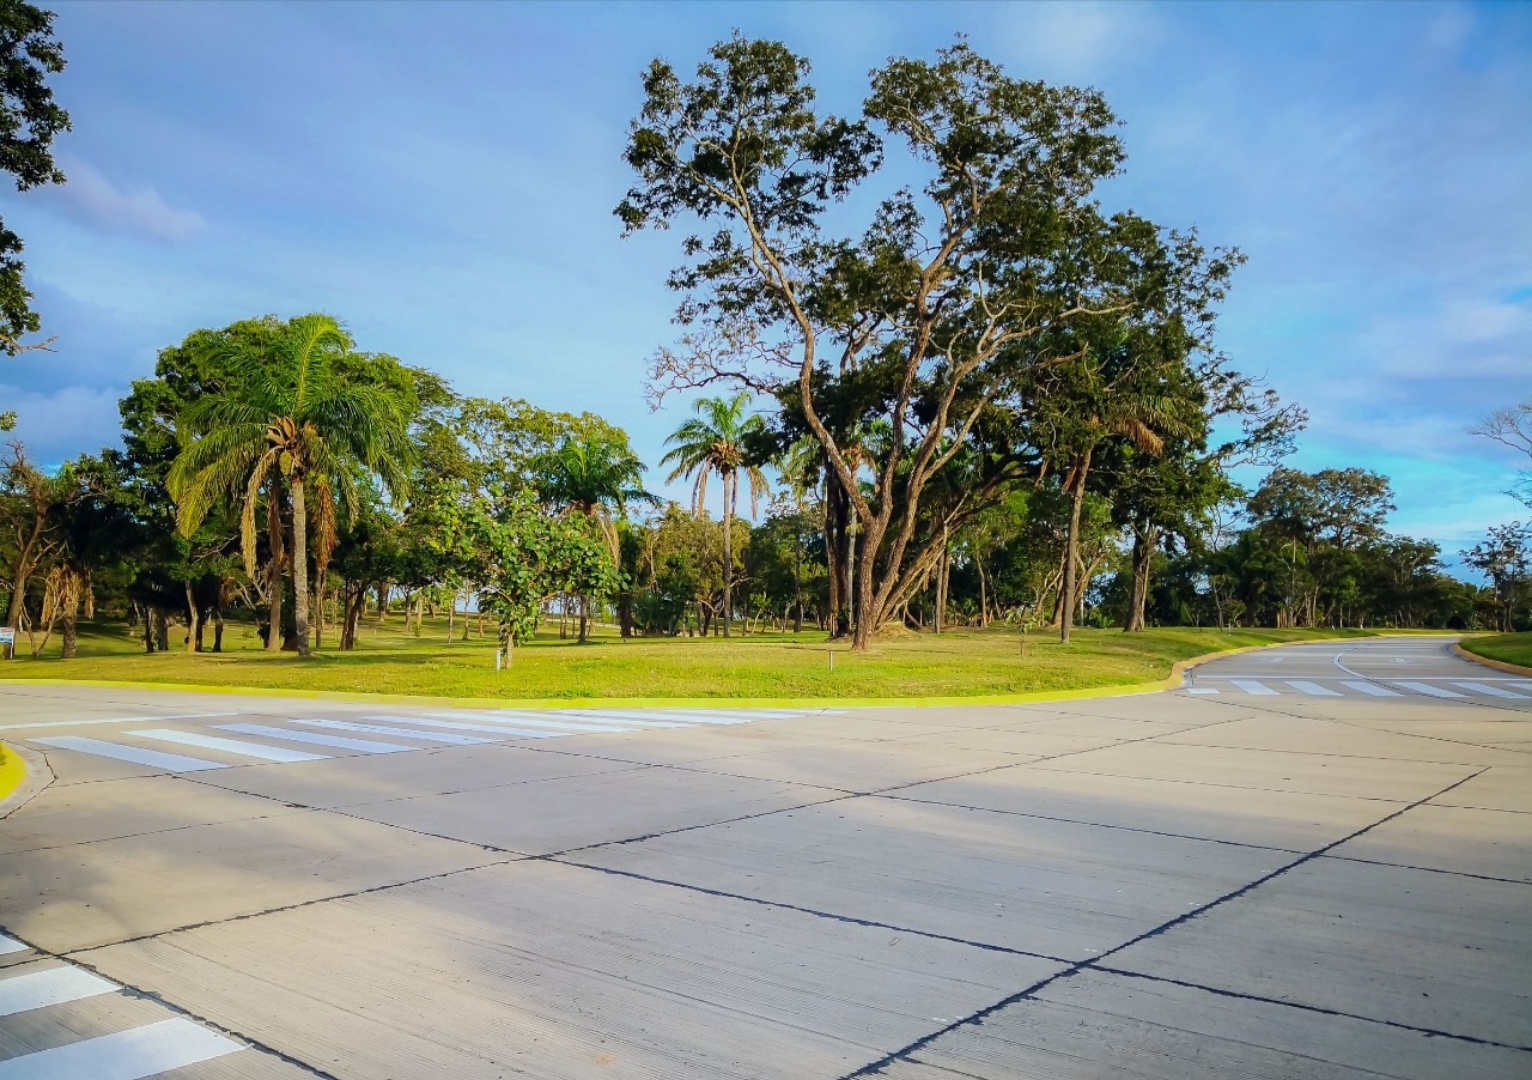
(49, 986)
(11, 945)
(237, 747)
(1311, 688)
(1372, 689)
(136, 755)
(1203, 690)
(1250, 686)
(522, 721)
(674, 719)
(407, 733)
(1491, 690)
(458, 725)
(123, 1055)
(1426, 688)
(338, 742)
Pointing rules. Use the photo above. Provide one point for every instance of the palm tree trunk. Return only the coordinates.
(274, 569)
(300, 571)
(728, 550)
(1072, 549)
(193, 621)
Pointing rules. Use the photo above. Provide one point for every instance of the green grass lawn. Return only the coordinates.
(1509, 648)
(389, 661)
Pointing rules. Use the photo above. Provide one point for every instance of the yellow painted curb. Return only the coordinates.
(13, 770)
(1170, 682)
(1498, 665)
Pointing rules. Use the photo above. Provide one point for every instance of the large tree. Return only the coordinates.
(932, 316)
(714, 441)
(29, 119)
(293, 415)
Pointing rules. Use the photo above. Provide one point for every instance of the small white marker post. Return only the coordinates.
(497, 659)
(831, 655)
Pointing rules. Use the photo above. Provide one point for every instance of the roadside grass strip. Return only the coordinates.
(123, 1055)
(135, 755)
(403, 733)
(237, 747)
(337, 742)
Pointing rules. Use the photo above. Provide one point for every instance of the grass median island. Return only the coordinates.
(388, 660)
(1507, 648)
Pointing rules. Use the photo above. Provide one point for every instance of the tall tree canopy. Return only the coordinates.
(295, 412)
(934, 317)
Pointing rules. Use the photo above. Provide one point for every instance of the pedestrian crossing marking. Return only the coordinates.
(338, 742)
(50, 986)
(136, 755)
(454, 725)
(406, 733)
(123, 1055)
(1427, 689)
(1491, 690)
(1203, 690)
(1311, 688)
(469, 724)
(11, 945)
(237, 747)
(1372, 688)
(1250, 686)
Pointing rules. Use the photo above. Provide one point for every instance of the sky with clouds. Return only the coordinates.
(441, 177)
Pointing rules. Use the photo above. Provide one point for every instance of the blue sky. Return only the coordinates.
(441, 177)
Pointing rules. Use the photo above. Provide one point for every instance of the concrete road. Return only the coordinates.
(1310, 862)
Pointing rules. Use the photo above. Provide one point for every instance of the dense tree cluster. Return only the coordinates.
(996, 401)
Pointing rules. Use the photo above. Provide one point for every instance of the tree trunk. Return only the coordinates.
(1144, 541)
(193, 621)
(584, 619)
(943, 570)
(729, 480)
(321, 589)
(300, 569)
(1072, 549)
(382, 600)
(218, 620)
(978, 564)
(451, 617)
(161, 629)
(70, 602)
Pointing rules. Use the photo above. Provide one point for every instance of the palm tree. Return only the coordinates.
(288, 417)
(713, 441)
(594, 474)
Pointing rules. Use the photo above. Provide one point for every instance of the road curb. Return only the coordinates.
(1498, 665)
(23, 773)
(1170, 682)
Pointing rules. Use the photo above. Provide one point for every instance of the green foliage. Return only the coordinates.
(29, 120)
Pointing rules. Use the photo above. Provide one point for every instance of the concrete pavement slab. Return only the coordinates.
(375, 778)
(1028, 743)
(79, 897)
(1300, 821)
(1493, 843)
(1094, 1025)
(556, 972)
(1048, 887)
(859, 767)
(83, 814)
(577, 811)
(1498, 788)
(1266, 770)
(1436, 952)
(1320, 736)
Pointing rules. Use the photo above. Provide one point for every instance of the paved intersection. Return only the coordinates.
(1328, 876)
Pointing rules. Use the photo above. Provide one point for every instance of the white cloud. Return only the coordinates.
(62, 423)
(90, 196)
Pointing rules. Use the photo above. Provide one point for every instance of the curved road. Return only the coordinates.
(1309, 862)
